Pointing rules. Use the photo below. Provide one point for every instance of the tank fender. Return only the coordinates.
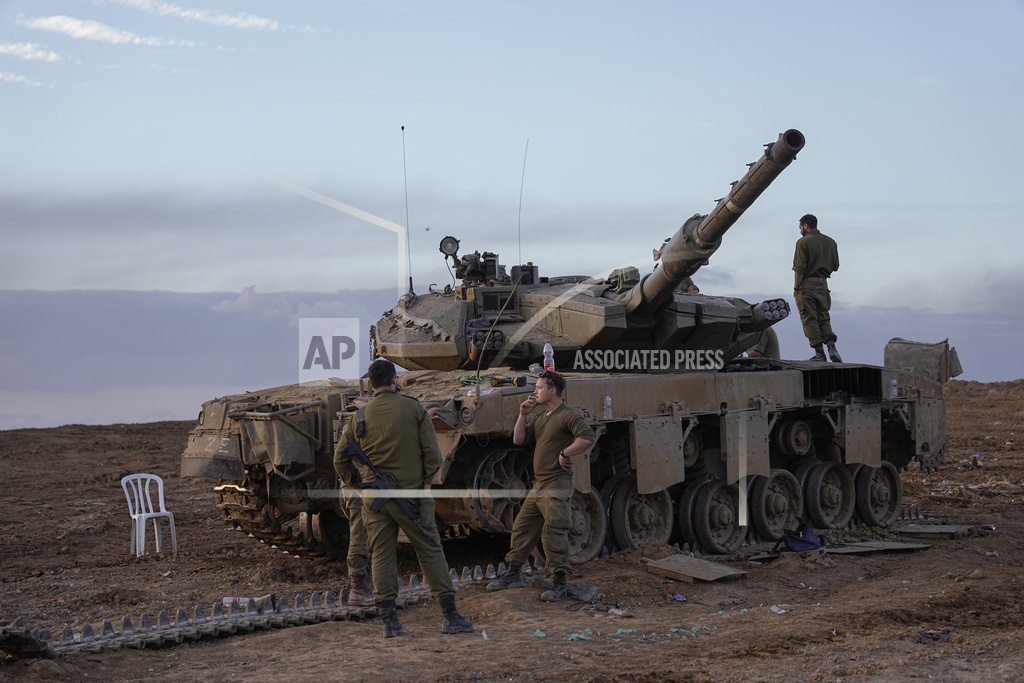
(213, 455)
(656, 452)
(862, 433)
(745, 435)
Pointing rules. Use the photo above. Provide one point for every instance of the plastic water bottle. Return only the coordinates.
(607, 406)
(894, 390)
(549, 356)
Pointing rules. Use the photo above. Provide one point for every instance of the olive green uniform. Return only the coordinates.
(768, 345)
(547, 511)
(816, 258)
(352, 502)
(399, 439)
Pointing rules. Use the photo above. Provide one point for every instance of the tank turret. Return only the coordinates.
(496, 318)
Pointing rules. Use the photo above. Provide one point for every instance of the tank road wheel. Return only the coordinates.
(500, 484)
(775, 503)
(639, 520)
(879, 494)
(588, 528)
(607, 491)
(684, 510)
(331, 531)
(830, 495)
(716, 517)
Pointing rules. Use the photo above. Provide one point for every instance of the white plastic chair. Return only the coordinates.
(140, 506)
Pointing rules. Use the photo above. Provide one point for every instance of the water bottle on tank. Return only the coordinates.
(549, 356)
(607, 406)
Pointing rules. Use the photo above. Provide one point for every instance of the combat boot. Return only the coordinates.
(453, 621)
(819, 354)
(832, 353)
(361, 592)
(558, 589)
(389, 616)
(512, 578)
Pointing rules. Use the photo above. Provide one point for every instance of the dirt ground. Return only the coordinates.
(951, 612)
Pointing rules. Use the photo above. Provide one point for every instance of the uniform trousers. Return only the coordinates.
(546, 516)
(353, 504)
(813, 300)
(382, 529)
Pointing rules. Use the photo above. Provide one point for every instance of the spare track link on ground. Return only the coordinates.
(17, 641)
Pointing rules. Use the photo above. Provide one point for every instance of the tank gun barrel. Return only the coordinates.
(700, 236)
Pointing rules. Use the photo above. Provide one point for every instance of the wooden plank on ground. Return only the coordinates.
(865, 547)
(933, 530)
(686, 568)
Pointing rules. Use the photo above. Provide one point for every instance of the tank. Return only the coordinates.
(699, 444)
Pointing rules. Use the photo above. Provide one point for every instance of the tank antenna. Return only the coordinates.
(522, 182)
(408, 247)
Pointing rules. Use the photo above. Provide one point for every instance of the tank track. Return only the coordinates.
(244, 510)
(245, 616)
(754, 542)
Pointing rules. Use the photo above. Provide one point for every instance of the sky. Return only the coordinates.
(184, 155)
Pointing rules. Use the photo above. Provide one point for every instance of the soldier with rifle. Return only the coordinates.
(393, 441)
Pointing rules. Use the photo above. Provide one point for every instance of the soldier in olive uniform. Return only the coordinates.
(399, 438)
(360, 592)
(559, 434)
(767, 345)
(816, 258)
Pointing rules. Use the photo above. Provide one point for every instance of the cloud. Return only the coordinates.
(87, 29)
(248, 300)
(29, 51)
(242, 20)
(14, 78)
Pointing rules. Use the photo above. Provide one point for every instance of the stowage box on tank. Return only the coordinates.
(701, 445)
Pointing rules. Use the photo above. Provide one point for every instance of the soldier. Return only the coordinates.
(816, 258)
(559, 434)
(360, 592)
(399, 438)
(767, 345)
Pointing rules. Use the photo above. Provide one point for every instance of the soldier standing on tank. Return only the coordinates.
(816, 258)
(558, 434)
(399, 438)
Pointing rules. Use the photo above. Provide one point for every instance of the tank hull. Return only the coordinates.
(710, 458)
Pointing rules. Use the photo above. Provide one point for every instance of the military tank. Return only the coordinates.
(695, 442)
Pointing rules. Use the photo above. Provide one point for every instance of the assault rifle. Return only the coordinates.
(382, 481)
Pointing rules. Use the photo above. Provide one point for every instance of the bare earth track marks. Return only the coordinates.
(952, 612)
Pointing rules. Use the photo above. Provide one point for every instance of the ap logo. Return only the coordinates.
(327, 348)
